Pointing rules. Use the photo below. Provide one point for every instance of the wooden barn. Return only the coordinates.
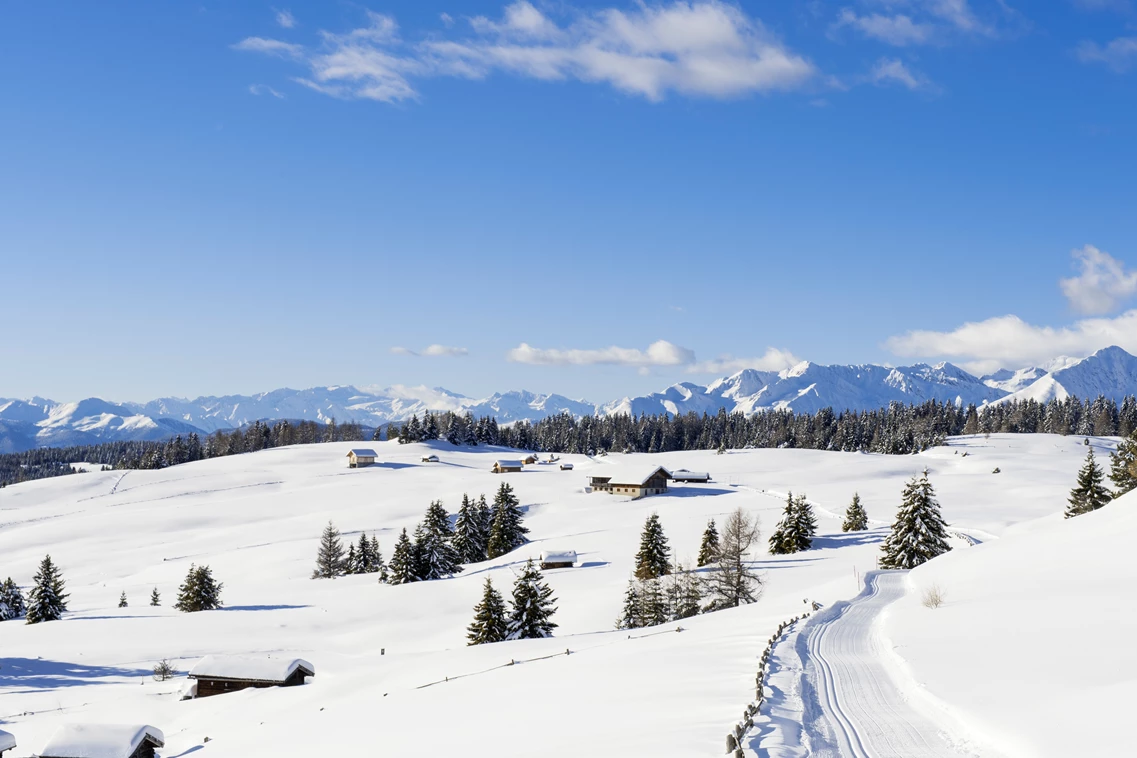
(505, 467)
(529, 460)
(634, 481)
(7, 741)
(218, 674)
(694, 477)
(558, 559)
(98, 740)
(363, 456)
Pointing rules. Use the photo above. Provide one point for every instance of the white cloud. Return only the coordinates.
(660, 353)
(773, 360)
(1119, 54)
(899, 30)
(270, 47)
(432, 351)
(894, 71)
(1008, 341)
(921, 22)
(285, 19)
(1103, 284)
(264, 89)
(705, 48)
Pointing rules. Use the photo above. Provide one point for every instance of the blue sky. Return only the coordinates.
(231, 197)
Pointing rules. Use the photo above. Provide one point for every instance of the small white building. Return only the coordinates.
(430, 459)
(555, 559)
(566, 467)
(7, 741)
(361, 456)
(506, 466)
(104, 741)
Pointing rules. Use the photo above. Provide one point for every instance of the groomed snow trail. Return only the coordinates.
(853, 707)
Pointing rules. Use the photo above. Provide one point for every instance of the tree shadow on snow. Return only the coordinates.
(37, 673)
(193, 749)
(263, 607)
(847, 539)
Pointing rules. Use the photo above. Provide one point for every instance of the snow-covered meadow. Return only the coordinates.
(991, 655)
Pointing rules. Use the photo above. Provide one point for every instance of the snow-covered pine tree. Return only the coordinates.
(199, 592)
(686, 593)
(351, 561)
(364, 560)
(653, 602)
(919, 533)
(630, 617)
(470, 536)
(731, 582)
(155, 598)
(330, 557)
(122, 600)
(654, 557)
(11, 601)
(533, 606)
(438, 557)
(856, 520)
(377, 564)
(402, 567)
(490, 623)
(1123, 466)
(46, 601)
(507, 531)
(787, 537)
(1090, 494)
(806, 522)
(709, 549)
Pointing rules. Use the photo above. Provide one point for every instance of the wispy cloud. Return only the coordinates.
(264, 89)
(894, 71)
(899, 29)
(698, 48)
(773, 360)
(285, 19)
(432, 351)
(660, 353)
(1102, 284)
(915, 22)
(1119, 54)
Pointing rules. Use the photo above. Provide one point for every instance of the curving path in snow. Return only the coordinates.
(835, 673)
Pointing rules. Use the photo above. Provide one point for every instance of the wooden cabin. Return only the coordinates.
(218, 674)
(633, 481)
(529, 460)
(566, 467)
(558, 559)
(98, 740)
(695, 477)
(363, 456)
(7, 741)
(506, 467)
(430, 459)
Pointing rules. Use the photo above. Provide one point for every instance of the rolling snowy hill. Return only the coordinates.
(805, 388)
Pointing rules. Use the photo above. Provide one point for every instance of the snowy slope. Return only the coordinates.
(256, 519)
(1111, 372)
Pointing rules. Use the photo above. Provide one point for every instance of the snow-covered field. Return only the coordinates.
(1034, 633)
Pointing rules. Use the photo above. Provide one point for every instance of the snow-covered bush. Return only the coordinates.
(933, 597)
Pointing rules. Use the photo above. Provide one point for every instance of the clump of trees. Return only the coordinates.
(528, 617)
(919, 533)
(333, 561)
(795, 532)
(11, 601)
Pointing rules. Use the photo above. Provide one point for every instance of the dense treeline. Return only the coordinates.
(895, 430)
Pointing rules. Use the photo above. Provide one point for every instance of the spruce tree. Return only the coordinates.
(1090, 494)
(806, 522)
(654, 557)
(490, 623)
(11, 601)
(506, 532)
(709, 549)
(439, 558)
(364, 558)
(631, 616)
(788, 537)
(155, 598)
(46, 601)
(199, 592)
(122, 600)
(533, 606)
(653, 602)
(1123, 466)
(330, 559)
(377, 564)
(685, 595)
(856, 520)
(471, 538)
(919, 533)
(402, 568)
(351, 561)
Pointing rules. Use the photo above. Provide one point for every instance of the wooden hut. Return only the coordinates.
(634, 481)
(558, 559)
(7, 741)
(697, 477)
(505, 467)
(362, 456)
(529, 460)
(103, 741)
(566, 467)
(218, 674)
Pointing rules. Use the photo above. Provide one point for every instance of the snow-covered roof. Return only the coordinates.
(685, 474)
(250, 667)
(558, 556)
(363, 452)
(509, 463)
(7, 740)
(100, 740)
(628, 473)
(566, 465)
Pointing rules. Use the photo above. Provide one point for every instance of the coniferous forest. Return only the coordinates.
(896, 430)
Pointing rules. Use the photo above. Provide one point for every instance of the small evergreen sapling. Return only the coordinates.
(122, 600)
(46, 601)
(1090, 494)
(1123, 466)
(709, 549)
(402, 567)
(330, 558)
(490, 623)
(788, 536)
(11, 601)
(155, 598)
(919, 533)
(654, 557)
(856, 520)
(533, 606)
(471, 533)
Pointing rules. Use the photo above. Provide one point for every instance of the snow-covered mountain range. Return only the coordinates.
(806, 388)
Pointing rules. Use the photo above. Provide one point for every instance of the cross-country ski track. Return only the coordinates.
(833, 675)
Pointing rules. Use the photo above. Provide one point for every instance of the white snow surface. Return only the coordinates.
(998, 654)
(99, 740)
(7, 740)
(259, 667)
